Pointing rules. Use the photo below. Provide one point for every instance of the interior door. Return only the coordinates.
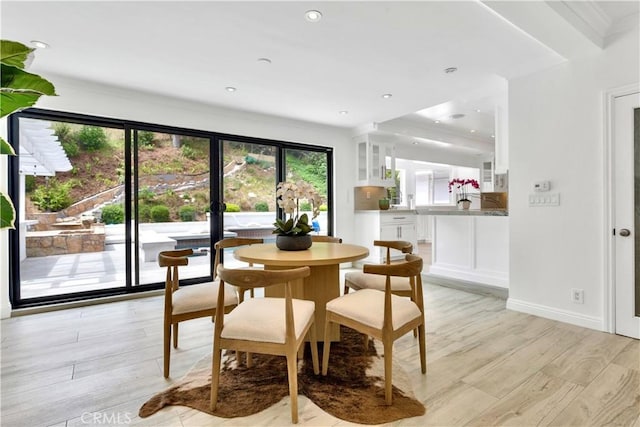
(626, 145)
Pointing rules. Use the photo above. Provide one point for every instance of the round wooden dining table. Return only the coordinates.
(322, 285)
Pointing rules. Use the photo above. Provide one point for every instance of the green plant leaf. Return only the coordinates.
(14, 53)
(17, 79)
(14, 101)
(7, 212)
(6, 148)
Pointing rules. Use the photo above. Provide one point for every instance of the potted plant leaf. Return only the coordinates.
(20, 89)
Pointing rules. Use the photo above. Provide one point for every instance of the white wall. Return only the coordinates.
(556, 133)
(107, 101)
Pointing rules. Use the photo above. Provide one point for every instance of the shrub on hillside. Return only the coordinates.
(113, 214)
(146, 193)
(160, 213)
(262, 207)
(144, 212)
(70, 148)
(92, 138)
(145, 138)
(232, 207)
(188, 152)
(63, 131)
(54, 196)
(187, 213)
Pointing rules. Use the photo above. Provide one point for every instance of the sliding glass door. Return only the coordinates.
(171, 203)
(67, 174)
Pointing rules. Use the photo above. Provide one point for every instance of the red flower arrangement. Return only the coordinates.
(460, 184)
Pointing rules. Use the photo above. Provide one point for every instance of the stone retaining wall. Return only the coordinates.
(45, 243)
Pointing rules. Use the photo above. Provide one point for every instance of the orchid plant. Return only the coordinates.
(461, 186)
(289, 195)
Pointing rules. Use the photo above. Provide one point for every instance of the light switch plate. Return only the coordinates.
(544, 200)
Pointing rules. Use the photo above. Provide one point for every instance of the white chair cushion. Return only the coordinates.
(263, 319)
(203, 296)
(359, 280)
(367, 307)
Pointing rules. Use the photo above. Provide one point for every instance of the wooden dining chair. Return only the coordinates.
(328, 239)
(275, 326)
(234, 242)
(382, 315)
(357, 280)
(188, 302)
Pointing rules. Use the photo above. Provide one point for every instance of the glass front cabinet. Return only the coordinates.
(376, 162)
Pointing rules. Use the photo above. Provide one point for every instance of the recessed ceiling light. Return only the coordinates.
(450, 70)
(264, 60)
(312, 15)
(39, 44)
(493, 136)
(230, 89)
(472, 131)
(387, 95)
(344, 112)
(436, 121)
(415, 142)
(477, 110)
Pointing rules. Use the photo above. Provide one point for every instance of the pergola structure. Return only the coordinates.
(41, 153)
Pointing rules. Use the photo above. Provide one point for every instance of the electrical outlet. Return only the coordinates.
(577, 296)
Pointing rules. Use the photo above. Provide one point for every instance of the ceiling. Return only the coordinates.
(346, 62)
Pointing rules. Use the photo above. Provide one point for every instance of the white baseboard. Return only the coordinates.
(498, 279)
(565, 316)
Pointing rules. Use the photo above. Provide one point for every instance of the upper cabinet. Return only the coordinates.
(376, 162)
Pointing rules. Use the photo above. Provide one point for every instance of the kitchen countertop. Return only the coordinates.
(389, 211)
(456, 211)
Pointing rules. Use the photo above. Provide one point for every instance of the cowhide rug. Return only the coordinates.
(353, 389)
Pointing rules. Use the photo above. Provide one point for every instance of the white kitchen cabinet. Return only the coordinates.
(385, 225)
(372, 164)
(424, 224)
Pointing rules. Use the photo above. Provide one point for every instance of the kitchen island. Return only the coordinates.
(470, 246)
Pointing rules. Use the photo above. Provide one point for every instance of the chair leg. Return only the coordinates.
(326, 346)
(167, 348)
(313, 342)
(422, 341)
(388, 369)
(292, 371)
(413, 299)
(175, 335)
(252, 292)
(215, 374)
(346, 289)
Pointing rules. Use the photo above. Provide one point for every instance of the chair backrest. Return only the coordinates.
(230, 242)
(172, 260)
(411, 267)
(329, 239)
(400, 245)
(248, 279)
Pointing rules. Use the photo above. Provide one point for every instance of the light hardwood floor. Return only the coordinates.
(486, 366)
